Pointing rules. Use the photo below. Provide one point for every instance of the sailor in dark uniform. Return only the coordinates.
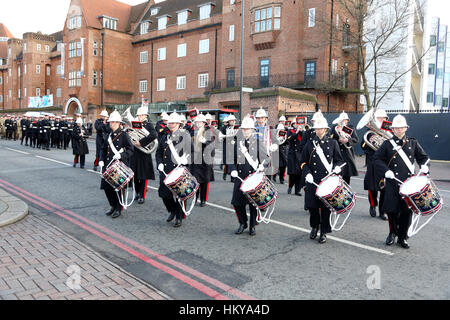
(102, 129)
(394, 159)
(80, 146)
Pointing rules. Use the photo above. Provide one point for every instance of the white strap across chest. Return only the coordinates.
(403, 155)
(322, 158)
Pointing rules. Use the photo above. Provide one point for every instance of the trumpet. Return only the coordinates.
(137, 135)
(378, 136)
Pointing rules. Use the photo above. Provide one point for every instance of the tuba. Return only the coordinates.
(379, 135)
(137, 134)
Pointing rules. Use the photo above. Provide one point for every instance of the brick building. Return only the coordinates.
(187, 52)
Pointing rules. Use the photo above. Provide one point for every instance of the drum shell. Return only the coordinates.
(184, 187)
(256, 197)
(117, 167)
(418, 203)
(336, 200)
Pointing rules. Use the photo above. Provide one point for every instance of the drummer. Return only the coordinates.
(317, 167)
(228, 134)
(395, 160)
(117, 146)
(168, 160)
(250, 157)
(295, 137)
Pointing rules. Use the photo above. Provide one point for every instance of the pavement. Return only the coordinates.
(38, 261)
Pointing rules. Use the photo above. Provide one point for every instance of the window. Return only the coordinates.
(47, 48)
(205, 11)
(58, 47)
(161, 54)
(109, 23)
(18, 72)
(439, 73)
(38, 92)
(24, 69)
(38, 69)
(18, 94)
(441, 46)
(202, 80)
(310, 70)
(154, 11)
(74, 49)
(337, 21)
(181, 82)
(267, 19)
(38, 47)
(264, 66)
(181, 50)
(94, 78)
(182, 17)
(143, 57)
(430, 96)
(438, 101)
(9, 93)
(1, 98)
(432, 40)
(9, 72)
(231, 35)
(25, 46)
(334, 66)
(58, 69)
(24, 92)
(48, 92)
(101, 78)
(1, 80)
(144, 27)
(74, 22)
(230, 78)
(445, 102)
(143, 86)
(312, 17)
(162, 23)
(58, 92)
(74, 79)
(345, 34)
(277, 18)
(161, 84)
(95, 46)
(431, 68)
(232, 2)
(203, 46)
(48, 70)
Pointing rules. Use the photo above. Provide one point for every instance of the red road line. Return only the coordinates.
(159, 256)
(193, 283)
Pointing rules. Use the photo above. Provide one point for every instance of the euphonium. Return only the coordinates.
(137, 135)
(379, 135)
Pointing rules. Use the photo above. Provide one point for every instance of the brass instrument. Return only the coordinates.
(136, 135)
(379, 135)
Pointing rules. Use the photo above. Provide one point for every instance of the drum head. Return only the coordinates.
(252, 182)
(327, 186)
(413, 185)
(174, 175)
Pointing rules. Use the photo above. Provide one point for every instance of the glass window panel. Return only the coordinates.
(269, 13)
(277, 12)
(257, 27)
(269, 24)
(276, 24)
(263, 26)
(257, 15)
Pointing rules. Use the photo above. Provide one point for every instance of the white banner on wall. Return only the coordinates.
(82, 57)
(40, 102)
(62, 59)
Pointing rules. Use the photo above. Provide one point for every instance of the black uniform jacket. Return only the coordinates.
(386, 158)
(203, 157)
(295, 152)
(80, 145)
(370, 181)
(312, 164)
(120, 140)
(141, 162)
(256, 150)
(347, 152)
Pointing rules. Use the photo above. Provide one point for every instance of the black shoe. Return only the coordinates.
(383, 216)
(241, 229)
(282, 182)
(403, 243)
(252, 231)
(136, 197)
(390, 239)
(224, 176)
(95, 168)
(177, 223)
(171, 217)
(116, 213)
(289, 190)
(373, 212)
(81, 167)
(323, 238)
(202, 204)
(313, 233)
(74, 165)
(141, 201)
(298, 194)
(110, 212)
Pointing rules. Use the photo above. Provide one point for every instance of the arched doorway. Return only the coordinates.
(73, 106)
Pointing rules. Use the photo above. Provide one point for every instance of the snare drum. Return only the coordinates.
(118, 175)
(421, 194)
(259, 190)
(182, 183)
(336, 194)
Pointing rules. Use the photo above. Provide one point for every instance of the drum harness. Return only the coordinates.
(123, 200)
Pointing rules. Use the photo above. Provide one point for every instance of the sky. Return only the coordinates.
(48, 16)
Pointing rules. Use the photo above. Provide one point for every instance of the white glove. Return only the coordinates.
(117, 156)
(280, 139)
(183, 160)
(161, 167)
(234, 173)
(389, 175)
(101, 164)
(309, 178)
(202, 140)
(337, 170)
(243, 147)
(169, 141)
(273, 147)
(260, 168)
(424, 169)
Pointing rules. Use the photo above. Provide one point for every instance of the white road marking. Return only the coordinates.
(23, 152)
(48, 159)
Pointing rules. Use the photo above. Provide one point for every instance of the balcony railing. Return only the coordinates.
(340, 81)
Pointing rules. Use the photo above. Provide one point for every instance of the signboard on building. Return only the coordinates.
(40, 102)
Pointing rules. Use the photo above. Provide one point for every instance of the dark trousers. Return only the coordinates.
(112, 197)
(399, 222)
(373, 198)
(174, 206)
(202, 192)
(141, 187)
(320, 217)
(281, 173)
(27, 138)
(81, 158)
(21, 138)
(294, 179)
(242, 215)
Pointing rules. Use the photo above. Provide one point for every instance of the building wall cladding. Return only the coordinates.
(286, 49)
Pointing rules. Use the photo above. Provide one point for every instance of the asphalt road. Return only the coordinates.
(204, 259)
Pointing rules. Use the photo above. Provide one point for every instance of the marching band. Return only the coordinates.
(317, 158)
